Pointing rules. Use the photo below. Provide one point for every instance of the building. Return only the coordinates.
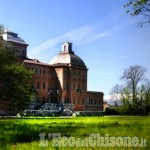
(19, 45)
(62, 81)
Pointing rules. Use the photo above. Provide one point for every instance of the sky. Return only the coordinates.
(106, 38)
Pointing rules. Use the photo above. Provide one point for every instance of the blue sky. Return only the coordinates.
(103, 35)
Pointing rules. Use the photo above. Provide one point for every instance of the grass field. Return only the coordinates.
(23, 134)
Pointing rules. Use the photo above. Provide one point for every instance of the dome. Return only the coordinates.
(67, 59)
(67, 56)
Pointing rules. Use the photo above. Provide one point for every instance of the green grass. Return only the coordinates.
(23, 134)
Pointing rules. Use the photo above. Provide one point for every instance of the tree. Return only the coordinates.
(139, 7)
(15, 82)
(146, 95)
(135, 94)
(116, 92)
(132, 76)
(1, 29)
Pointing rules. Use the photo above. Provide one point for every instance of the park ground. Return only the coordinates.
(75, 133)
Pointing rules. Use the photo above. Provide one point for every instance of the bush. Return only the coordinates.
(111, 111)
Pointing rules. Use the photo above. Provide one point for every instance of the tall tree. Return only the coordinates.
(132, 76)
(15, 82)
(139, 7)
(125, 96)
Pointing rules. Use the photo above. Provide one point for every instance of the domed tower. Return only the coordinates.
(72, 74)
(67, 57)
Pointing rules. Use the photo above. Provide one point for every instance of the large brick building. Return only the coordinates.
(62, 81)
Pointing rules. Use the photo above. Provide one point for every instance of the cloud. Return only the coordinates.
(78, 36)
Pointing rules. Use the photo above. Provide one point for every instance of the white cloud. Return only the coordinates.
(78, 36)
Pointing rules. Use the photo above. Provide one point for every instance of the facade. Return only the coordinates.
(62, 81)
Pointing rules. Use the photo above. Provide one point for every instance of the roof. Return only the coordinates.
(67, 56)
(35, 62)
(13, 37)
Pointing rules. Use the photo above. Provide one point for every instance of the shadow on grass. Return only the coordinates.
(18, 132)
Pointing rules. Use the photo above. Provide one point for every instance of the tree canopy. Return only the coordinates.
(1, 29)
(139, 7)
(135, 93)
(132, 76)
(15, 82)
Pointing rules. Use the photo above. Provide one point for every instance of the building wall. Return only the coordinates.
(73, 83)
(69, 82)
(45, 81)
(79, 87)
(63, 74)
(94, 101)
(20, 50)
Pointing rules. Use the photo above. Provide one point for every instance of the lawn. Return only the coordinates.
(75, 133)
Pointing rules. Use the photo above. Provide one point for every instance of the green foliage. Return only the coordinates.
(15, 82)
(139, 7)
(1, 29)
(111, 111)
(134, 96)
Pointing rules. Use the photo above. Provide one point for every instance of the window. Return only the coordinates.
(74, 86)
(95, 101)
(65, 48)
(43, 100)
(38, 70)
(88, 101)
(32, 85)
(99, 101)
(44, 71)
(66, 100)
(82, 100)
(83, 87)
(79, 74)
(44, 85)
(78, 86)
(83, 75)
(38, 85)
(78, 101)
(66, 72)
(74, 73)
